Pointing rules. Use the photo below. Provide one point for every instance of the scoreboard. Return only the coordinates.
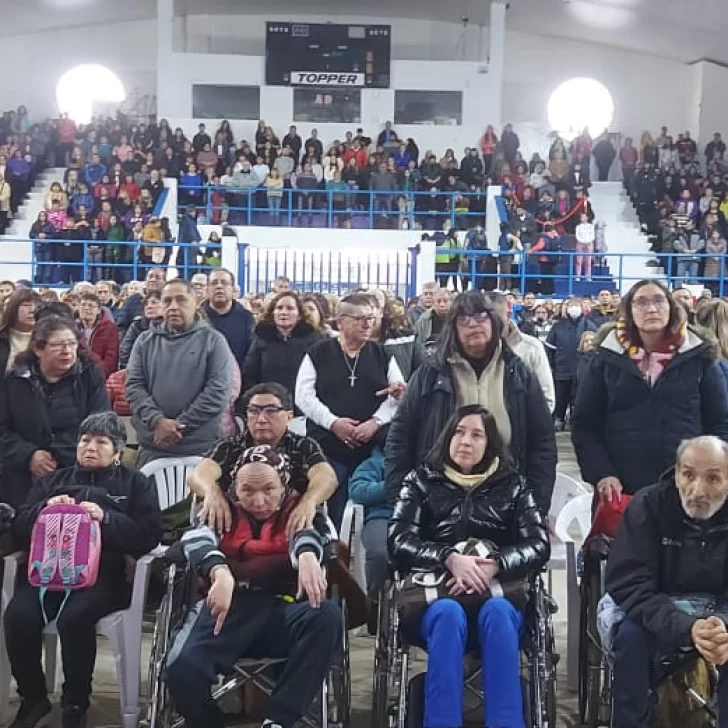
(327, 54)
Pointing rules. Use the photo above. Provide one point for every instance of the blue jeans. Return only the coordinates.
(448, 633)
(687, 269)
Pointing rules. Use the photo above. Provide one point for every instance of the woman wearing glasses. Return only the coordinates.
(652, 382)
(472, 365)
(50, 390)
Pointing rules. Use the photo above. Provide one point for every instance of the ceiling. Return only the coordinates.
(684, 30)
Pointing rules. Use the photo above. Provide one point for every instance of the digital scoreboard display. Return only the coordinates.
(326, 54)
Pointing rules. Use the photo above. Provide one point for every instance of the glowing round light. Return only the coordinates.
(578, 104)
(83, 85)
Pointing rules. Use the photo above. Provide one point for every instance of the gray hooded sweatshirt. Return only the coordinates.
(185, 376)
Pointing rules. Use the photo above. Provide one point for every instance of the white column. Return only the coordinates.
(497, 61)
(165, 65)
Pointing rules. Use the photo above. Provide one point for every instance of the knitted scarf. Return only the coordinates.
(651, 364)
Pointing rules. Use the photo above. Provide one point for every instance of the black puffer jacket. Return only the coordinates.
(429, 402)
(35, 415)
(625, 428)
(132, 522)
(272, 358)
(432, 514)
(659, 552)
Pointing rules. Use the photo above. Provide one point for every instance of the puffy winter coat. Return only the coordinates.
(429, 402)
(273, 358)
(433, 514)
(625, 428)
(562, 344)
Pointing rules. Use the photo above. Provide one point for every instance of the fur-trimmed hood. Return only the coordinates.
(695, 337)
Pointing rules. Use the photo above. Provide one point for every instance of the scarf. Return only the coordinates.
(470, 481)
(651, 364)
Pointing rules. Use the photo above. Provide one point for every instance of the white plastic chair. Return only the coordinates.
(352, 525)
(170, 476)
(566, 489)
(123, 629)
(577, 510)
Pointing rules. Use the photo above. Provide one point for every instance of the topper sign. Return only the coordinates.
(325, 78)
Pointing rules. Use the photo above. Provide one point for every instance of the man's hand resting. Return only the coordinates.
(710, 638)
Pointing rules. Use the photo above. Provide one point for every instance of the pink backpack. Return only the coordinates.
(65, 550)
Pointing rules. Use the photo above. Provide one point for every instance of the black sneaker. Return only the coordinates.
(32, 715)
(73, 716)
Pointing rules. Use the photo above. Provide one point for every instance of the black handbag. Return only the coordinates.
(415, 591)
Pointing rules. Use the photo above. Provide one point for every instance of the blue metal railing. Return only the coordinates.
(553, 273)
(58, 262)
(348, 206)
(328, 271)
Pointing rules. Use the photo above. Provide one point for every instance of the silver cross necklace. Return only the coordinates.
(352, 369)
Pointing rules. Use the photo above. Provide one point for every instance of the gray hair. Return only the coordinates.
(711, 441)
(105, 424)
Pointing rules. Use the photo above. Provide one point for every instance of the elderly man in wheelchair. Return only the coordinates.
(266, 598)
(667, 580)
(466, 533)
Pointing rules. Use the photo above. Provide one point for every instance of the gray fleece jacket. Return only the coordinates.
(184, 376)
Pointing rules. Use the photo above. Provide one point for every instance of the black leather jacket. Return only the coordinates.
(432, 514)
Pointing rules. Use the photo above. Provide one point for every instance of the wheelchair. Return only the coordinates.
(394, 692)
(331, 709)
(595, 669)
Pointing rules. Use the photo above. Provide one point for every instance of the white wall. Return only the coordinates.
(712, 81)
(648, 91)
(276, 102)
(34, 63)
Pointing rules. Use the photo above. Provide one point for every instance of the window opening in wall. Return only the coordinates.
(327, 105)
(225, 102)
(438, 108)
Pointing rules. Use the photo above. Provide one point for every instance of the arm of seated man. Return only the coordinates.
(307, 551)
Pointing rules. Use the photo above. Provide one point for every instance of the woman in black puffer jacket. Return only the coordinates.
(468, 489)
(281, 339)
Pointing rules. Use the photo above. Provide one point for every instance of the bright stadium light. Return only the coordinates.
(83, 85)
(578, 104)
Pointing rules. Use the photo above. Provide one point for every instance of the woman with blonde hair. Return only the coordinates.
(713, 316)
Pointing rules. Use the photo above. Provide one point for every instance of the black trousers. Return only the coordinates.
(76, 629)
(258, 625)
(634, 656)
(564, 392)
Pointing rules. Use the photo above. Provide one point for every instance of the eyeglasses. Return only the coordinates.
(361, 320)
(643, 304)
(61, 345)
(467, 319)
(268, 411)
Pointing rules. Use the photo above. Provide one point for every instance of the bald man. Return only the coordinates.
(668, 574)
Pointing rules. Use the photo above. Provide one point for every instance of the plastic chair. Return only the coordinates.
(352, 525)
(579, 510)
(123, 629)
(170, 476)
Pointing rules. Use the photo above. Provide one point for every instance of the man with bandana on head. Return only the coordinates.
(266, 598)
(668, 576)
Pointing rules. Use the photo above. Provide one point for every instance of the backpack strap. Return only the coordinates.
(49, 564)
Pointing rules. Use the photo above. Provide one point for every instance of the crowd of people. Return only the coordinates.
(411, 409)
(681, 202)
(100, 221)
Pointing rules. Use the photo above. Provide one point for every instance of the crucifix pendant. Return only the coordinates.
(352, 379)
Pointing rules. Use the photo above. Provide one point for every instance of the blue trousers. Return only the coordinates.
(448, 633)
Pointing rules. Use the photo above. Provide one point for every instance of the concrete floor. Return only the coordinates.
(105, 705)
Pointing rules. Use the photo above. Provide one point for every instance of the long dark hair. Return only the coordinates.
(466, 303)
(10, 311)
(674, 321)
(439, 455)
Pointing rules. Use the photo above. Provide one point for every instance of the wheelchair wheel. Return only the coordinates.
(416, 702)
(159, 712)
(594, 679)
(340, 677)
(387, 667)
(541, 690)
